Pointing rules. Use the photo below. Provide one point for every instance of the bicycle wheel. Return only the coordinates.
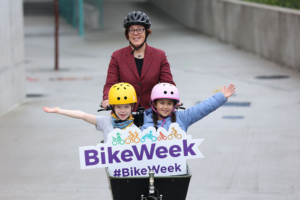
(127, 140)
(179, 136)
(165, 137)
(122, 142)
(143, 140)
(159, 138)
(153, 138)
(114, 142)
(136, 140)
(170, 137)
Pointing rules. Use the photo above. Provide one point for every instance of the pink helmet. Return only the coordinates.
(165, 91)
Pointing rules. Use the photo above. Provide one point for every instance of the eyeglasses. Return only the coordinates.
(139, 30)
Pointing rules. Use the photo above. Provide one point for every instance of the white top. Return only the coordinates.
(104, 124)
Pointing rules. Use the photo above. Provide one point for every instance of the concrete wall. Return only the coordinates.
(12, 80)
(269, 31)
(91, 17)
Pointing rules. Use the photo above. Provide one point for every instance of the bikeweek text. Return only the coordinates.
(131, 152)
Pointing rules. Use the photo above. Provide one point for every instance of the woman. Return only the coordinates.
(138, 64)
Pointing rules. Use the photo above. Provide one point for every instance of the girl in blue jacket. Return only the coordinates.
(165, 96)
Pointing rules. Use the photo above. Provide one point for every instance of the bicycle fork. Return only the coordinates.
(152, 188)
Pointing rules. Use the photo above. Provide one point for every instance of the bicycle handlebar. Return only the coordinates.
(104, 109)
(108, 108)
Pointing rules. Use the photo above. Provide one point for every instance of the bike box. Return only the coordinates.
(131, 188)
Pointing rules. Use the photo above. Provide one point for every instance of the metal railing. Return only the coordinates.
(73, 12)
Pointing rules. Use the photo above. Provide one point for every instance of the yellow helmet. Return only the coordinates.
(121, 93)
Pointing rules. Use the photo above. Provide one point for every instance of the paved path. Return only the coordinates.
(251, 150)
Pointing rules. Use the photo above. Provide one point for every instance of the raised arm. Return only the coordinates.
(73, 113)
(207, 106)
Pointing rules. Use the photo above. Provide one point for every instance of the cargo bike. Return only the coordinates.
(148, 188)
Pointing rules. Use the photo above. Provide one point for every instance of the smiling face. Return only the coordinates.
(136, 38)
(123, 111)
(164, 106)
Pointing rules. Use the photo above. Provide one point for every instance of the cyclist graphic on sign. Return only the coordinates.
(117, 140)
(161, 136)
(174, 132)
(148, 136)
(132, 138)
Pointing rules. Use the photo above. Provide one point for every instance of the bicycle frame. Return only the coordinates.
(152, 188)
(129, 188)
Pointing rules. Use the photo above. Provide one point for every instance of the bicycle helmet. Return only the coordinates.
(121, 93)
(165, 91)
(137, 18)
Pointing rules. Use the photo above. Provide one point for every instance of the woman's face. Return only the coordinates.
(164, 106)
(136, 38)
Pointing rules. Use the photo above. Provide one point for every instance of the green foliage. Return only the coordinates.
(283, 3)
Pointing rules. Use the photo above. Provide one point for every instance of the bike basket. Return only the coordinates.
(131, 188)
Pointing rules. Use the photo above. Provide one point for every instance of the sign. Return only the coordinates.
(131, 152)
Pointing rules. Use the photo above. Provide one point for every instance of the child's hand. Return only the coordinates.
(229, 91)
(51, 110)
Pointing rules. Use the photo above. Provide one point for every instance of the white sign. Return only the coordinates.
(131, 152)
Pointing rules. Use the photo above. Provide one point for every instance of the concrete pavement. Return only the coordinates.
(251, 151)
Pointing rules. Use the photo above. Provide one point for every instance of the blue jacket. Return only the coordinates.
(188, 117)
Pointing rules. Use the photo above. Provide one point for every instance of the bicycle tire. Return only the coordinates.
(127, 140)
(138, 140)
(122, 142)
(179, 136)
(154, 138)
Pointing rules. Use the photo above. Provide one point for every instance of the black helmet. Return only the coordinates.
(137, 18)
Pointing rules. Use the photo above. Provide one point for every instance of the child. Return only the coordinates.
(121, 98)
(165, 96)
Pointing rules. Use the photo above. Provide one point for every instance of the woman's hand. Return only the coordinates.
(179, 104)
(104, 104)
(229, 91)
(51, 110)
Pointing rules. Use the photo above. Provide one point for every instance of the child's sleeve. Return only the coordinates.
(202, 109)
(102, 122)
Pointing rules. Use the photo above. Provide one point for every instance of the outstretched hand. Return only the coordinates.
(228, 91)
(51, 110)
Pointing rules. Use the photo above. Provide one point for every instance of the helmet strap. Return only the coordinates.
(134, 48)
